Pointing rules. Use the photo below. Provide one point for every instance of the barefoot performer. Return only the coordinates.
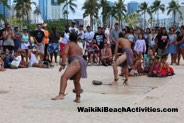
(75, 70)
(124, 60)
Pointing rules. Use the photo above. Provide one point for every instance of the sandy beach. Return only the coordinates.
(25, 97)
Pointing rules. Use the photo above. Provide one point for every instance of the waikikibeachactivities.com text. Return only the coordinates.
(125, 109)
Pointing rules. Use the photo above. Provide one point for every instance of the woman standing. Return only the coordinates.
(53, 46)
(171, 48)
(64, 41)
(8, 37)
(25, 42)
(151, 39)
(180, 44)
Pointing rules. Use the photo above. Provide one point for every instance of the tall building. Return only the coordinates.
(132, 7)
(4, 10)
(50, 9)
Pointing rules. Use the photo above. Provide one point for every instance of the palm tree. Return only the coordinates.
(174, 7)
(132, 19)
(156, 6)
(2, 16)
(119, 10)
(91, 8)
(37, 12)
(143, 9)
(22, 8)
(106, 10)
(68, 4)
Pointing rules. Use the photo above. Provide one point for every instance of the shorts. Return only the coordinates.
(62, 46)
(181, 45)
(40, 48)
(161, 52)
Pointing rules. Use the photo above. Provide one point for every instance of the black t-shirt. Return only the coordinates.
(1, 34)
(39, 35)
(162, 40)
(100, 39)
(53, 37)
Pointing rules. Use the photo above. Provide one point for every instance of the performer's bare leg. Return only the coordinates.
(119, 61)
(126, 75)
(71, 70)
(77, 85)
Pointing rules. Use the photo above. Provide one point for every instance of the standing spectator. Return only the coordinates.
(53, 47)
(88, 37)
(162, 42)
(130, 36)
(138, 31)
(39, 42)
(140, 46)
(114, 37)
(99, 40)
(151, 39)
(171, 49)
(73, 27)
(25, 42)
(81, 37)
(107, 33)
(180, 44)
(8, 37)
(1, 39)
(64, 41)
(146, 38)
(17, 39)
(46, 38)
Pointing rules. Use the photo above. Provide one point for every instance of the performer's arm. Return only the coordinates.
(64, 56)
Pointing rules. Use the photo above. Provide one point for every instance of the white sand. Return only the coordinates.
(25, 97)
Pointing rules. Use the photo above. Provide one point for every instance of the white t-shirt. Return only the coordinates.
(73, 29)
(89, 36)
(81, 34)
(16, 61)
(107, 33)
(65, 39)
(140, 46)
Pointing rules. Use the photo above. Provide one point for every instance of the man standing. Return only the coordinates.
(126, 59)
(114, 37)
(99, 40)
(46, 38)
(39, 42)
(107, 33)
(88, 37)
(75, 70)
(73, 28)
(1, 39)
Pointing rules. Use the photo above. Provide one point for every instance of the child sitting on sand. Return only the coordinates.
(7, 58)
(16, 62)
(165, 70)
(154, 68)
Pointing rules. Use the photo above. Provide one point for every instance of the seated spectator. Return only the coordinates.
(153, 69)
(165, 70)
(8, 58)
(146, 60)
(33, 61)
(1, 64)
(47, 61)
(106, 57)
(16, 62)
